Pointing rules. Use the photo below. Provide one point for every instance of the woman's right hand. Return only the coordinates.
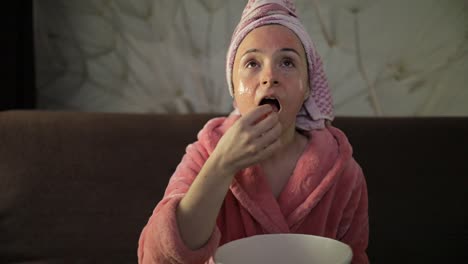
(250, 140)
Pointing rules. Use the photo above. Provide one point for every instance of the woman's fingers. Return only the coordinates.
(263, 133)
(265, 125)
(253, 138)
(269, 136)
(259, 144)
(252, 117)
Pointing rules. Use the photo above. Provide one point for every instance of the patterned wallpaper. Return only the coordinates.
(382, 57)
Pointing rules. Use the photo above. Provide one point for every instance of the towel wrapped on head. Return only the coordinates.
(318, 108)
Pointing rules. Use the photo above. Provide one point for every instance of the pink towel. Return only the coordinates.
(325, 196)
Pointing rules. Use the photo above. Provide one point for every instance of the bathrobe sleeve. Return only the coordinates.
(354, 226)
(160, 241)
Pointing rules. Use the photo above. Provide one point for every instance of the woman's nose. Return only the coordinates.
(269, 77)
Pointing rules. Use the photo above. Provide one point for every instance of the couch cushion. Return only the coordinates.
(81, 186)
(417, 175)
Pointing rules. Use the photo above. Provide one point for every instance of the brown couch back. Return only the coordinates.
(79, 187)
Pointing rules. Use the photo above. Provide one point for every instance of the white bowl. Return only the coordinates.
(284, 248)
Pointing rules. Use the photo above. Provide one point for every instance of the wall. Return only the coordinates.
(390, 58)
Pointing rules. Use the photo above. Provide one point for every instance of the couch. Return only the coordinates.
(78, 187)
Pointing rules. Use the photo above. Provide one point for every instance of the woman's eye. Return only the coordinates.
(251, 64)
(288, 63)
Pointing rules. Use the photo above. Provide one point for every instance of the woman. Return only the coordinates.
(276, 165)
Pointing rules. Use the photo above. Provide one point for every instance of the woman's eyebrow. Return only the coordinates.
(292, 50)
(250, 51)
(282, 50)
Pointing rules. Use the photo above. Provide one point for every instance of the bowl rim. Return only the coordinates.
(349, 254)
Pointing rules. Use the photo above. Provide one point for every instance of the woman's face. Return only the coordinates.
(270, 68)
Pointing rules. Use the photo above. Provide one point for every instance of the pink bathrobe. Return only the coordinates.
(326, 196)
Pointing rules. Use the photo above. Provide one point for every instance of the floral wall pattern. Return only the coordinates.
(383, 58)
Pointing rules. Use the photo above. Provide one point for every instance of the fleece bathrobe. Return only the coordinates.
(325, 196)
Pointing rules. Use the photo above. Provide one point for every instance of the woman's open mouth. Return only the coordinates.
(275, 104)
